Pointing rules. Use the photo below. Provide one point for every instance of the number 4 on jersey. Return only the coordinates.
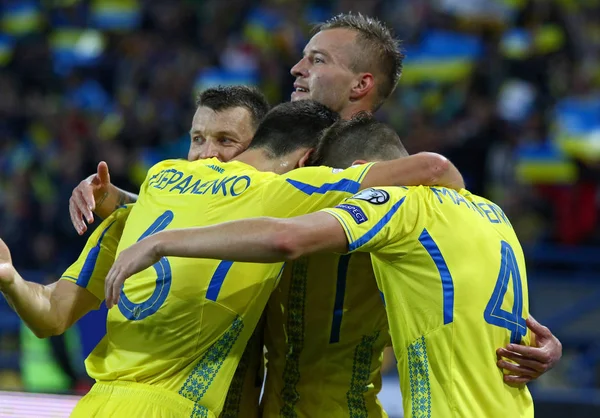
(494, 314)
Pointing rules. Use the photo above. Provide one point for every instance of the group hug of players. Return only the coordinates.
(255, 252)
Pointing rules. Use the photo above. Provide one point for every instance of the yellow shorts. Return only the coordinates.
(132, 400)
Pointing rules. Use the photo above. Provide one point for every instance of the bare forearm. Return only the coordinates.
(112, 200)
(425, 168)
(258, 242)
(449, 177)
(33, 303)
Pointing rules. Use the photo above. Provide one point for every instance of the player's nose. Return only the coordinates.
(210, 150)
(300, 69)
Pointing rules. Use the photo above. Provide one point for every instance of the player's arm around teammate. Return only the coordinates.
(96, 194)
(267, 240)
(423, 168)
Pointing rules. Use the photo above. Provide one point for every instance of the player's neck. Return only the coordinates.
(262, 161)
(353, 108)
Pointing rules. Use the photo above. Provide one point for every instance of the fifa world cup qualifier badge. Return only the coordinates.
(374, 196)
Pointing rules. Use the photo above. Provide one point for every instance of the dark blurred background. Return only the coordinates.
(508, 89)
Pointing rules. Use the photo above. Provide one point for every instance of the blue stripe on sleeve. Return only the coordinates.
(341, 220)
(365, 171)
(344, 185)
(377, 228)
(214, 287)
(90, 262)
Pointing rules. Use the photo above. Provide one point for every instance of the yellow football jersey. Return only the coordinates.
(453, 276)
(98, 255)
(182, 324)
(326, 331)
(90, 271)
(243, 396)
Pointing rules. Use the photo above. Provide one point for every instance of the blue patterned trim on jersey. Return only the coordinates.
(199, 412)
(359, 383)
(216, 281)
(344, 185)
(90, 261)
(418, 372)
(377, 228)
(231, 408)
(295, 322)
(200, 379)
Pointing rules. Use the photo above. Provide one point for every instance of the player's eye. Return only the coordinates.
(318, 60)
(197, 139)
(226, 141)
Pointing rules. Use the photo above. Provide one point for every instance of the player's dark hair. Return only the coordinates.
(228, 97)
(360, 138)
(293, 125)
(378, 50)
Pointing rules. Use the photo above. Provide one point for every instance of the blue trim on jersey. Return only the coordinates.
(364, 172)
(344, 185)
(341, 220)
(207, 368)
(90, 262)
(138, 311)
(418, 377)
(340, 292)
(361, 371)
(280, 274)
(216, 281)
(447, 283)
(377, 228)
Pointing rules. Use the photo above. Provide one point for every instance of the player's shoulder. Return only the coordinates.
(122, 212)
(113, 225)
(171, 163)
(382, 195)
(310, 172)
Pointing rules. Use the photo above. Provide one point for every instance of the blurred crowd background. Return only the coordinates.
(508, 89)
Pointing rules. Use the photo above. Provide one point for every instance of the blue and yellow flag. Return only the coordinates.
(116, 15)
(577, 127)
(73, 47)
(214, 76)
(20, 18)
(443, 57)
(544, 163)
(6, 50)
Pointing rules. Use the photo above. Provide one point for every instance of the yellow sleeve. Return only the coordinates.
(381, 220)
(309, 189)
(96, 259)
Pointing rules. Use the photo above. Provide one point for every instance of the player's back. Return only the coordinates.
(182, 324)
(326, 331)
(177, 322)
(453, 276)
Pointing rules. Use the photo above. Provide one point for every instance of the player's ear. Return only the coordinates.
(359, 162)
(362, 86)
(305, 158)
